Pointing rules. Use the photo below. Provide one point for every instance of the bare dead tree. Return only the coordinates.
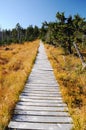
(80, 56)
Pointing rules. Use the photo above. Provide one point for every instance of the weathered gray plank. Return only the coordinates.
(43, 85)
(34, 91)
(40, 88)
(39, 126)
(39, 91)
(42, 104)
(41, 94)
(42, 119)
(47, 76)
(47, 101)
(42, 81)
(31, 90)
(40, 97)
(44, 113)
(41, 108)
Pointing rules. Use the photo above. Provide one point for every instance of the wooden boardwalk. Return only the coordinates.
(40, 106)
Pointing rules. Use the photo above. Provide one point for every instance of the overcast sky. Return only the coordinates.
(34, 12)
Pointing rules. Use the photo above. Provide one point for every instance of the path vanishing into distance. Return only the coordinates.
(40, 105)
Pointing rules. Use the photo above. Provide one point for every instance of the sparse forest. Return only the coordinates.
(18, 34)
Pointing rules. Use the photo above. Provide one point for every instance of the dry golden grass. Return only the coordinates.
(16, 61)
(72, 80)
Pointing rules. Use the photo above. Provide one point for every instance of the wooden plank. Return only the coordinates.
(35, 91)
(40, 97)
(39, 126)
(41, 108)
(41, 75)
(36, 77)
(45, 85)
(44, 113)
(41, 94)
(43, 72)
(43, 68)
(42, 119)
(42, 104)
(39, 67)
(42, 79)
(41, 89)
(47, 101)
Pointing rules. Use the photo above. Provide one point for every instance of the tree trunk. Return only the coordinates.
(80, 56)
(69, 47)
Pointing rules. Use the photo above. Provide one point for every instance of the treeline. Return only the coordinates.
(64, 31)
(19, 34)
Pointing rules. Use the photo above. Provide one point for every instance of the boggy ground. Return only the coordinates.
(72, 79)
(16, 61)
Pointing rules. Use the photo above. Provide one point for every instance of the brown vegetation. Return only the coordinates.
(16, 61)
(72, 79)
